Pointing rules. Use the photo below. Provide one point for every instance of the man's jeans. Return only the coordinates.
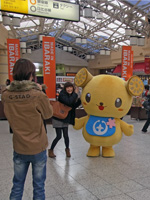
(21, 165)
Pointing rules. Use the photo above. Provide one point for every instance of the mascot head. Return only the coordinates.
(107, 95)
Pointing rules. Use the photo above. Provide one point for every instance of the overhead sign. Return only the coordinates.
(49, 66)
(127, 62)
(13, 51)
(43, 8)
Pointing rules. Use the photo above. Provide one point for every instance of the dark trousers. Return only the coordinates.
(146, 125)
(59, 135)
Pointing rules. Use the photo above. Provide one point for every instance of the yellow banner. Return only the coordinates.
(19, 6)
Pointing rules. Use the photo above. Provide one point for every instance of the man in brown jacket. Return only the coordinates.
(25, 107)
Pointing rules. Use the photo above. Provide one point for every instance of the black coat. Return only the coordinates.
(72, 101)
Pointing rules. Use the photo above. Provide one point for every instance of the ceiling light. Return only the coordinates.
(141, 41)
(92, 57)
(6, 20)
(102, 52)
(87, 12)
(84, 41)
(107, 52)
(22, 44)
(29, 51)
(78, 40)
(41, 38)
(16, 21)
(23, 51)
(65, 48)
(70, 49)
(133, 40)
(88, 57)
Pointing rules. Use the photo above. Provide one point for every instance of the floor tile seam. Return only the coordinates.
(84, 190)
(128, 193)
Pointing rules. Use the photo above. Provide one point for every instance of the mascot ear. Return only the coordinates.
(135, 86)
(82, 77)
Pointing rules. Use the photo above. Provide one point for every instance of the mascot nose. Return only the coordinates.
(101, 104)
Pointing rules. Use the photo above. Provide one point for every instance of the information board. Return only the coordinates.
(43, 8)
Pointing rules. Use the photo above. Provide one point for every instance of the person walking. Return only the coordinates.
(25, 106)
(146, 95)
(69, 97)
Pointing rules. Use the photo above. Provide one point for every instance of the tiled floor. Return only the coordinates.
(125, 177)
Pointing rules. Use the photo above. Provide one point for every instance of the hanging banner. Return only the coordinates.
(49, 66)
(147, 65)
(43, 8)
(13, 52)
(127, 62)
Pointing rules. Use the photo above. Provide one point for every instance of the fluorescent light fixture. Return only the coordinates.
(22, 44)
(16, 21)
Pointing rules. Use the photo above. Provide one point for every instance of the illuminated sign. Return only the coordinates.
(42, 8)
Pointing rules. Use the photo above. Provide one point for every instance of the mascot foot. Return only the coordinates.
(108, 152)
(93, 151)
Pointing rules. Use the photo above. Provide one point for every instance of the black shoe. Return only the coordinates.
(143, 131)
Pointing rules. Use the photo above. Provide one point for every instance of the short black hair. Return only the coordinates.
(68, 84)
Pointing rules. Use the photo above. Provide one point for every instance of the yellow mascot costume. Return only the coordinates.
(106, 99)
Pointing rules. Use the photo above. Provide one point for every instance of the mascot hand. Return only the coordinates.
(77, 123)
(126, 128)
(129, 130)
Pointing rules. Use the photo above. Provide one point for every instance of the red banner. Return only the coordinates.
(49, 66)
(13, 51)
(127, 62)
(147, 65)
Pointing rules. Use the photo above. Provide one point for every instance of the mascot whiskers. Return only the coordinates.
(106, 99)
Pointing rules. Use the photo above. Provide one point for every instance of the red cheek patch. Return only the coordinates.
(120, 109)
(84, 103)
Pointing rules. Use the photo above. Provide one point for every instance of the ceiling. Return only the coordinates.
(108, 32)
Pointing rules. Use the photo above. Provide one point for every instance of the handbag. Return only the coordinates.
(59, 109)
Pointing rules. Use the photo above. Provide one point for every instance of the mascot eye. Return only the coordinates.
(88, 97)
(118, 102)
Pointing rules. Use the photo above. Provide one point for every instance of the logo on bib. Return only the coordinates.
(101, 126)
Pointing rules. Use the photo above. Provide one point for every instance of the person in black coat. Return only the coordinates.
(69, 97)
(147, 123)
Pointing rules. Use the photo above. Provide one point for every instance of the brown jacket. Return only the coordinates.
(25, 107)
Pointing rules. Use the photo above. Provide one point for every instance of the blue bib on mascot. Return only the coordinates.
(101, 126)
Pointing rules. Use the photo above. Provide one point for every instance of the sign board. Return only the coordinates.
(43, 8)
(49, 66)
(127, 62)
(13, 51)
(147, 65)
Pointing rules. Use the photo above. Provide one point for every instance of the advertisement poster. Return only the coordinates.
(49, 66)
(127, 62)
(13, 51)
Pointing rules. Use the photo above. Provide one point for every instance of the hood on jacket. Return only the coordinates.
(19, 86)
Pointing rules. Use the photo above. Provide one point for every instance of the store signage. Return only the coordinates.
(13, 51)
(127, 62)
(147, 65)
(43, 8)
(49, 66)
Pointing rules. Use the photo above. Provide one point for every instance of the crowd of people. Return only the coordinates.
(26, 108)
